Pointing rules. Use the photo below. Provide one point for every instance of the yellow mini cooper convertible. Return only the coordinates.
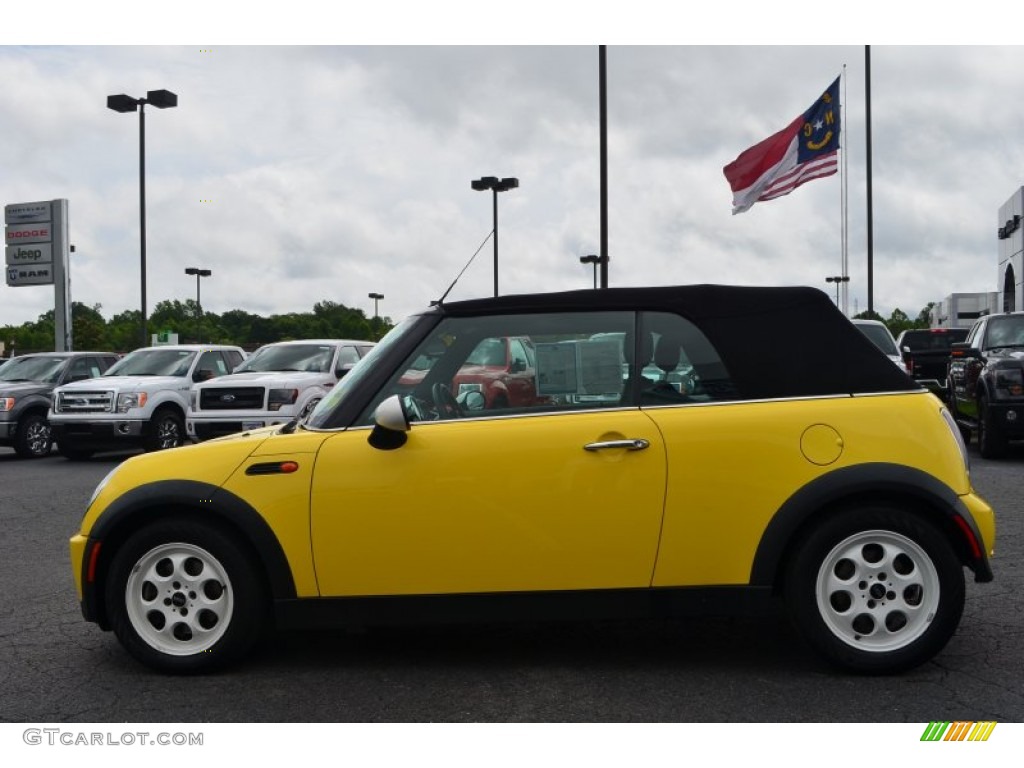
(637, 452)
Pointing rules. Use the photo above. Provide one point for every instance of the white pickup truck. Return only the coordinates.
(141, 400)
(279, 382)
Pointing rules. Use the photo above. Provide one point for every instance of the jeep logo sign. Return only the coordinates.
(38, 253)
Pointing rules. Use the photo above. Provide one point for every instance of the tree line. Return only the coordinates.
(899, 321)
(123, 332)
(327, 320)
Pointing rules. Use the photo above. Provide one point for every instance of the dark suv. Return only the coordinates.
(26, 389)
(925, 352)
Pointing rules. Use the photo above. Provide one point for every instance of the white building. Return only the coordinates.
(1011, 253)
(960, 310)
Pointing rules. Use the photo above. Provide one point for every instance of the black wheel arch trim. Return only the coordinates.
(878, 480)
(204, 501)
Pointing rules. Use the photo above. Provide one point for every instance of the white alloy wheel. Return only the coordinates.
(179, 599)
(877, 591)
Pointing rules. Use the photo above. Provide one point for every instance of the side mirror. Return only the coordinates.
(341, 370)
(203, 374)
(391, 425)
(518, 365)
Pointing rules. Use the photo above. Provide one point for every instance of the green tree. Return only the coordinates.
(88, 328)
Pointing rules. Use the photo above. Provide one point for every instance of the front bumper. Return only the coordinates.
(113, 432)
(8, 429)
(209, 426)
(1008, 417)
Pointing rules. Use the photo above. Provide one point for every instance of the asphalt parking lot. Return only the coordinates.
(57, 668)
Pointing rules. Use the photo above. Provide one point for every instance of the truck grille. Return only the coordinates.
(231, 398)
(84, 402)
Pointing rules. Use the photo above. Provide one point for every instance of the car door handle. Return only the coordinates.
(636, 444)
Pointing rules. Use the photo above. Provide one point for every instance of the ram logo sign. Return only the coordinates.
(37, 275)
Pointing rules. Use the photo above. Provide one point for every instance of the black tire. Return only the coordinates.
(183, 598)
(166, 430)
(34, 439)
(875, 590)
(72, 453)
(992, 443)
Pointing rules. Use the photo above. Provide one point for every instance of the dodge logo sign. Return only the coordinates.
(227, 398)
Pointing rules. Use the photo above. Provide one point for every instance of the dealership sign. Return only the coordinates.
(36, 251)
(30, 240)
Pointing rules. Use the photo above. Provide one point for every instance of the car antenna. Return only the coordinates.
(445, 295)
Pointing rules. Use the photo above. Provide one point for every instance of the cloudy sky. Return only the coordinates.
(301, 173)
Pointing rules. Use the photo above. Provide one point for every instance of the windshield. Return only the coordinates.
(489, 352)
(320, 414)
(1006, 331)
(289, 357)
(153, 362)
(881, 337)
(44, 369)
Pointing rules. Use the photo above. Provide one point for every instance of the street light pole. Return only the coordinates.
(376, 297)
(199, 273)
(592, 259)
(496, 185)
(121, 103)
(837, 279)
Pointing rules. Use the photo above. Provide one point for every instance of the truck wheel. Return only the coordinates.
(34, 438)
(875, 590)
(72, 453)
(166, 430)
(991, 440)
(183, 597)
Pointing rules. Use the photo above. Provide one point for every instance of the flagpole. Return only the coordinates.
(870, 204)
(845, 271)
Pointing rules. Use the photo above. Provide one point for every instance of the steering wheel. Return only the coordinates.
(447, 406)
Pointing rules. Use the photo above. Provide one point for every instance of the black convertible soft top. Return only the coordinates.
(775, 342)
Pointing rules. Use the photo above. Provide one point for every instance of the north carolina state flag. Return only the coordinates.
(807, 148)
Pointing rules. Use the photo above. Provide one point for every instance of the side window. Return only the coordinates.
(347, 356)
(210, 365)
(678, 364)
(567, 361)
(105, 362)
(83, 368)
(364, 350)
(519, 361)
(234, 359)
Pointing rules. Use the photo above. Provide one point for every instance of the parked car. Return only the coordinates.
(139, 402)
(502, 370)
(881, 337)
(986, 382)
(925, 353)
(26, 391)
(840, 491)
(277, 383)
